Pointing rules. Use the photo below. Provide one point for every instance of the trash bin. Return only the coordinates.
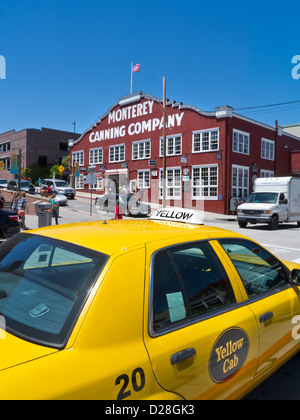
(44, 213)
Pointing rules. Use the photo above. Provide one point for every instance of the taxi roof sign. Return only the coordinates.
(176, 214)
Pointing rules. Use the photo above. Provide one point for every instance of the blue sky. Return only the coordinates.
(70, 60)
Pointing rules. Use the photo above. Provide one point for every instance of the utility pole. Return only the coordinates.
(19, 169)
(164, 186)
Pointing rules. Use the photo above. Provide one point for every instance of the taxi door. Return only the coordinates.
(201, 337)
(270, 296)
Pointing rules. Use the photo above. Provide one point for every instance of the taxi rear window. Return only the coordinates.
(44, 284)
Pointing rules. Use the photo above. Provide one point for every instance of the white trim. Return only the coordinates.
(267, 141)
(203, 197)
(243, 133)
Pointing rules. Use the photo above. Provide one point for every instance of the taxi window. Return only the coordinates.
(259, 270)
(188, 281)
(44, 284)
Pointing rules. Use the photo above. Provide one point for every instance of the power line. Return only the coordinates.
(266, 106)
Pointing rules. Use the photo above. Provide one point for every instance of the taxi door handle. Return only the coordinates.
(266, 317)
(182, 355)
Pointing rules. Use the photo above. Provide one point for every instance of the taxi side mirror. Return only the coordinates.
(295, 277)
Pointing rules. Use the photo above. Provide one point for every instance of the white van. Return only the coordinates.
(274, 201)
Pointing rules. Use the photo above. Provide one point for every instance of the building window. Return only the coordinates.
(241, 142)
(117, 153)
(240, 181)
(63, 146)
(78, 157)
(96, 156)
(206, 141)
(143, 179)
(205, 182)
(267, 149)
(173, 183)
(6, 162)
(98, 185)
(4, 147)
(141, 150)
(79, 182)
(43, 161)
(264, 173)
(173, 146)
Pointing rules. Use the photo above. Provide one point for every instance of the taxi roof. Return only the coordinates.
(112, 236)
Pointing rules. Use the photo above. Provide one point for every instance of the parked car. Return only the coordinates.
(61, 200)
(3, 183)
(59, 186)
(25, 186)
(9, 224)
(129, 204)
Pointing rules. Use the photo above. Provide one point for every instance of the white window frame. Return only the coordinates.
(242, 181)
(205, 138)
(78, 157)
(266, 173)
(241, 136)
(132, 185)
(99, 186)
(175, 151)
(172, 183)
(202, 186)
(267, 149)
(96, 156)
(116, 148)
(143, 179)
(143, 149)
(79, 182)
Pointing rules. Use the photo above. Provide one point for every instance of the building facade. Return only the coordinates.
(44, 147)
(212, 158)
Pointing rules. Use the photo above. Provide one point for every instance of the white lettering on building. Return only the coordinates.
(134, 128)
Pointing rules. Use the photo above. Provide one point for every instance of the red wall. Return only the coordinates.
(190, 119)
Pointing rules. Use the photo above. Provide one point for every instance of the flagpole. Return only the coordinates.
(131, 78)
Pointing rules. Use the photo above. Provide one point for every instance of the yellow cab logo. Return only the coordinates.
(228, 355)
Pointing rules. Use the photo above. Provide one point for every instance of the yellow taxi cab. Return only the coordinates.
(163, 308)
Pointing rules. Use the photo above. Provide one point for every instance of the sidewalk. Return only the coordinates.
(68, 215)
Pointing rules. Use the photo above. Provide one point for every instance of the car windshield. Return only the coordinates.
(25, 183)
(61, 184)
(263, 197)
(44, 284)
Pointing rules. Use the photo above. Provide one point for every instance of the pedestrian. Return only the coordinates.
(49, 190)
(54, 207)
(21, 207)
(14, 202)
(118, 215)
(2, 201)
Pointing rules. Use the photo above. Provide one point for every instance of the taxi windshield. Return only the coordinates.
(44, 284)
(263, 197)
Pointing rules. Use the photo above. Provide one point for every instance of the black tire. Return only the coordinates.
(274, 224)
(242, 224)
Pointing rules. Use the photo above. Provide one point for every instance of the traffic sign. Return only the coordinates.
(91, 179)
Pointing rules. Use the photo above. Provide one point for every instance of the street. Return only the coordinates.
(284, 243)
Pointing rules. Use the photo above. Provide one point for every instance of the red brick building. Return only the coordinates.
(43, 146)
(212, 157)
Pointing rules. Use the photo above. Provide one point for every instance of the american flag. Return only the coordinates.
(136, 67)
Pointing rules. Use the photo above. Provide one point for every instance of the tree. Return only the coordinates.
(66, 162)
